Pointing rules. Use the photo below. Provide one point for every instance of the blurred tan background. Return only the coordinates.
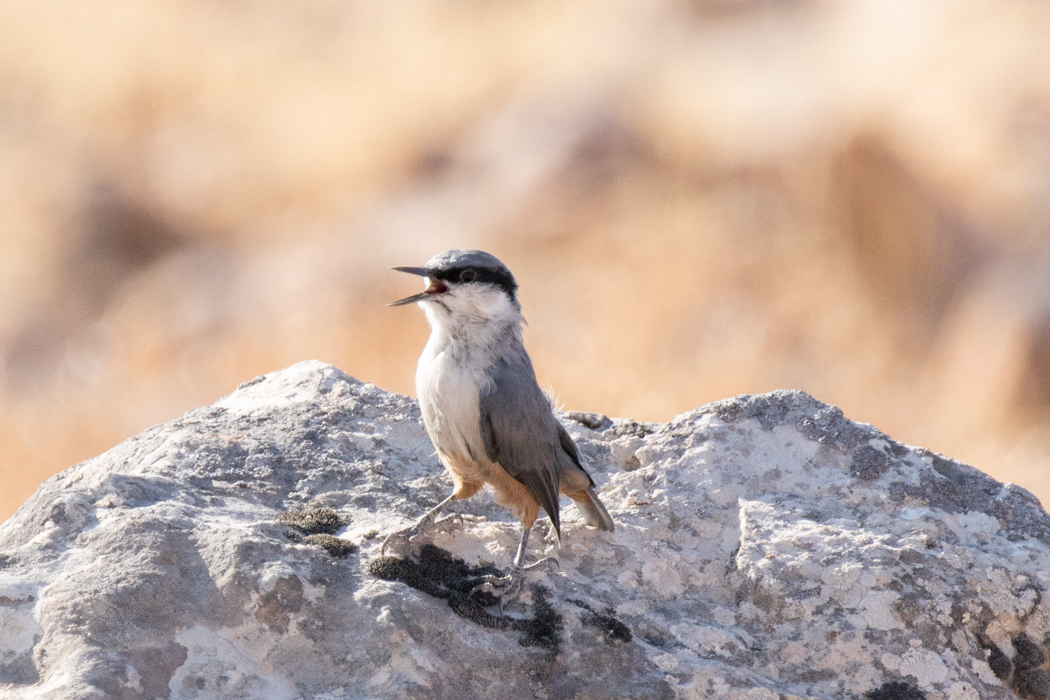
(699, 198)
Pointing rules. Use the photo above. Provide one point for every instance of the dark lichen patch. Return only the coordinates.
(437, 573)
(544, 629)
(612, 630)
(1032, 683)
(466, 607)
(999, 663)
(1027, 653)
(911, 556)
(895, 690)
(631, 428)
(335, 546)
(594, 421)
(958, 488)
(275, 608)
(316, 520)
(155, 666)
(404, 571)
(815, 420)
(1027, 673)
(828, 426)
(869, 463)
(768, 409)
(1031, 675)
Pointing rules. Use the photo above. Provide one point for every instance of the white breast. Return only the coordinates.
(448, 399)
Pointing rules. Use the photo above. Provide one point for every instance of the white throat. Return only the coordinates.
(472, 319)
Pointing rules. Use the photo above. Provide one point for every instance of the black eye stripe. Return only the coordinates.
(500, 279)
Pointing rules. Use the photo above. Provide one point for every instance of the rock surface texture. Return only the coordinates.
(766, 548)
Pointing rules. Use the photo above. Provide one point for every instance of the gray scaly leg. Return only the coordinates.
(508, 587)
(401, 541)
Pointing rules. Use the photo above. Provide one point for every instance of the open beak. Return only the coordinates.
(435, 287)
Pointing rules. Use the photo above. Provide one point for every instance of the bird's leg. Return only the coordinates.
(508, 587)
(401, 540)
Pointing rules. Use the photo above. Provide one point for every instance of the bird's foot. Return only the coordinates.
(400, 542)
(506, 588)
(408, 541)
(449, 523)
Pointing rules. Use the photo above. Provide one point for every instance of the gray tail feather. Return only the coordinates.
(594, 511)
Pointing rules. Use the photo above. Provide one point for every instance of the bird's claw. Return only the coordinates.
(503, 588)
(506, 588)
(449, 523)
(401, 541)
(545, 563)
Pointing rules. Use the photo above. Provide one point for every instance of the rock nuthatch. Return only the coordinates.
(486, 415)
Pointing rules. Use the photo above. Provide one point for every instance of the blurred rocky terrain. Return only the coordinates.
(700, 199)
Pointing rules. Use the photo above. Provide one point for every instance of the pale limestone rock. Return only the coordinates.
(766, 547)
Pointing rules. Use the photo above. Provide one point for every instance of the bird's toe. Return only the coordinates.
(493, 585)
(450, 523)
(548, 563)
(503, 588)
(401, 542)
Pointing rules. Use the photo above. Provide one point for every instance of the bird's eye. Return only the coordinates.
(468, 276)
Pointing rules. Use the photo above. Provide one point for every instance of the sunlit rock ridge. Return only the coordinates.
(766, 548)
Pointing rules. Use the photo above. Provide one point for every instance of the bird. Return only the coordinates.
(489, 420)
